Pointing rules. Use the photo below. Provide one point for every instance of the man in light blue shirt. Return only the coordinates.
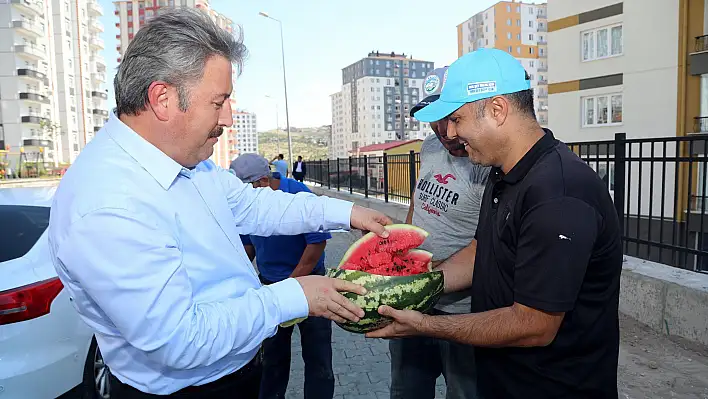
(280, 165)
(144, 229)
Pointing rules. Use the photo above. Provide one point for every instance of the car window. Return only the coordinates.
(20, 228)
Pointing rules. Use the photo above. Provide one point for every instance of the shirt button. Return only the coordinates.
(496, 200)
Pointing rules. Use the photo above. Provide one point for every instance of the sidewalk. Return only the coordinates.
(651, 366)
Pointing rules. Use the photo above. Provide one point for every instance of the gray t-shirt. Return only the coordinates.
(446, 204)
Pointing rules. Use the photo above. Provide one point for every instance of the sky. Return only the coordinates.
(320, 38)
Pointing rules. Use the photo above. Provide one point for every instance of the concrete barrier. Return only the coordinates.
(44, 182)
(671, 301)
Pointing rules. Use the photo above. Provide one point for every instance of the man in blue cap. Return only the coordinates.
(446, 204)
(545, 270)
(279, 258)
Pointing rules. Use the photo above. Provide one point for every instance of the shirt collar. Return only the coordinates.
(525, 164)
(160, 166)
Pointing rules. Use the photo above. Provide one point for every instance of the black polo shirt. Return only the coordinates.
(549, 238)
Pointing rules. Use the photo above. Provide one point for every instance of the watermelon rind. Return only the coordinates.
(292, 322)
(419, 292)
(391, 229)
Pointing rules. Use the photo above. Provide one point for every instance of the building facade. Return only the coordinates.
(374, 103)
(246, 133)
(610, 63)
(52, 99)
(519, 29)
(132, 14)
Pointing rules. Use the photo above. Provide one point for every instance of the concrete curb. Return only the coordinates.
(670, 300)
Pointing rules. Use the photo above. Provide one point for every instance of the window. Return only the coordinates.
(602, 43)
(518, 50)
(509, 49)
(508, 8)
(602, 110)
(518, 22)
(518, 9)
(508, 21)
(531, 10)
(22, 227)
(532, 63)
(530, 24)
(530, 50)
(508, 35)
(531, 36)
(518, 36)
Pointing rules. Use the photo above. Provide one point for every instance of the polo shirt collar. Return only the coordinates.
(525, 164)
(160, 166)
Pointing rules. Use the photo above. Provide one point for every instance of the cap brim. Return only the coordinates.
(424, 103)
(436, 111)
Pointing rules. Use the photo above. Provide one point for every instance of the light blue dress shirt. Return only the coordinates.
(151, 254)
(281, 167)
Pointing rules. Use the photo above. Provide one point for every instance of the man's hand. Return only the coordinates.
(370, 220)
(324, 299)
(405, 323)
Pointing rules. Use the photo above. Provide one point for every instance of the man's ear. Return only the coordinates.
(159, 97)
(499, 107)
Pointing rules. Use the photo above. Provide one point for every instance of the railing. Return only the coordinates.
(701, 43)
(659, 187)
(543, 69)
(542, 82)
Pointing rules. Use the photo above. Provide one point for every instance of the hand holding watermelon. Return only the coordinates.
(405, 323)
(324, 299)
(370, 220)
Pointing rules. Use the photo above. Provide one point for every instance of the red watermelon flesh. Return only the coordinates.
(391, 256)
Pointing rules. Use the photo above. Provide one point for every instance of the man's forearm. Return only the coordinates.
(309, 259)
(459, 268)
(504, 327)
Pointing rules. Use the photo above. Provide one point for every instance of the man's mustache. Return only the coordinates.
(216, 132)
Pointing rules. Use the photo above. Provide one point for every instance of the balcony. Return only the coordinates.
(97, 43)
(98, 94)
(94, 8)
(543, 83)
(543, 55)
(542, 28)
(542, 41)
(34, 97)
(29, 6)
(700, 124)
(542, 94)
(31, 52)
(29, 28)
(542, 14)
(96, 26)
(32, 74)
(100, 112)
(100, 63)
(543, 68)
(37, 141)
(98, 77)
(96, 129)
(698, 64)
(34, 120)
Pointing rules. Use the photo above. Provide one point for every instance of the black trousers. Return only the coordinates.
(299, 176)
(242, 384)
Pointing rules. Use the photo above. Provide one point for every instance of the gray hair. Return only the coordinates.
(174, 48)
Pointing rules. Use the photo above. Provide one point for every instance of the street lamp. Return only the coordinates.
(277, 123)
(285, 85)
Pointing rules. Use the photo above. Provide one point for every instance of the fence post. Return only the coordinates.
(385, 170)
(350, 175)
(329, 181)
(366, 176)
(619, 178)
(411, 172)
(337, 174)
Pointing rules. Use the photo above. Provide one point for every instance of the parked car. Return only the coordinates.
(46, 350)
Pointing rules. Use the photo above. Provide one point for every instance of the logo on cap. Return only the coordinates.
(444, 79)
(431, 84)
(481, 87)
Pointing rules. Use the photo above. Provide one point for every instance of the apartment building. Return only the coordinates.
(520, 29)
(651, 61)
(52, 99)
(373, 105)
(246, 134)
(132, 14)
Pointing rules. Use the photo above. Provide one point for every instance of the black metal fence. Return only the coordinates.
(659, 186)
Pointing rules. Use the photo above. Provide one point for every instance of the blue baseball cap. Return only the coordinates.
(432, 87)
(477, 75)
(250, 167)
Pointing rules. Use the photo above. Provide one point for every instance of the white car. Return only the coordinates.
(46, 350)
